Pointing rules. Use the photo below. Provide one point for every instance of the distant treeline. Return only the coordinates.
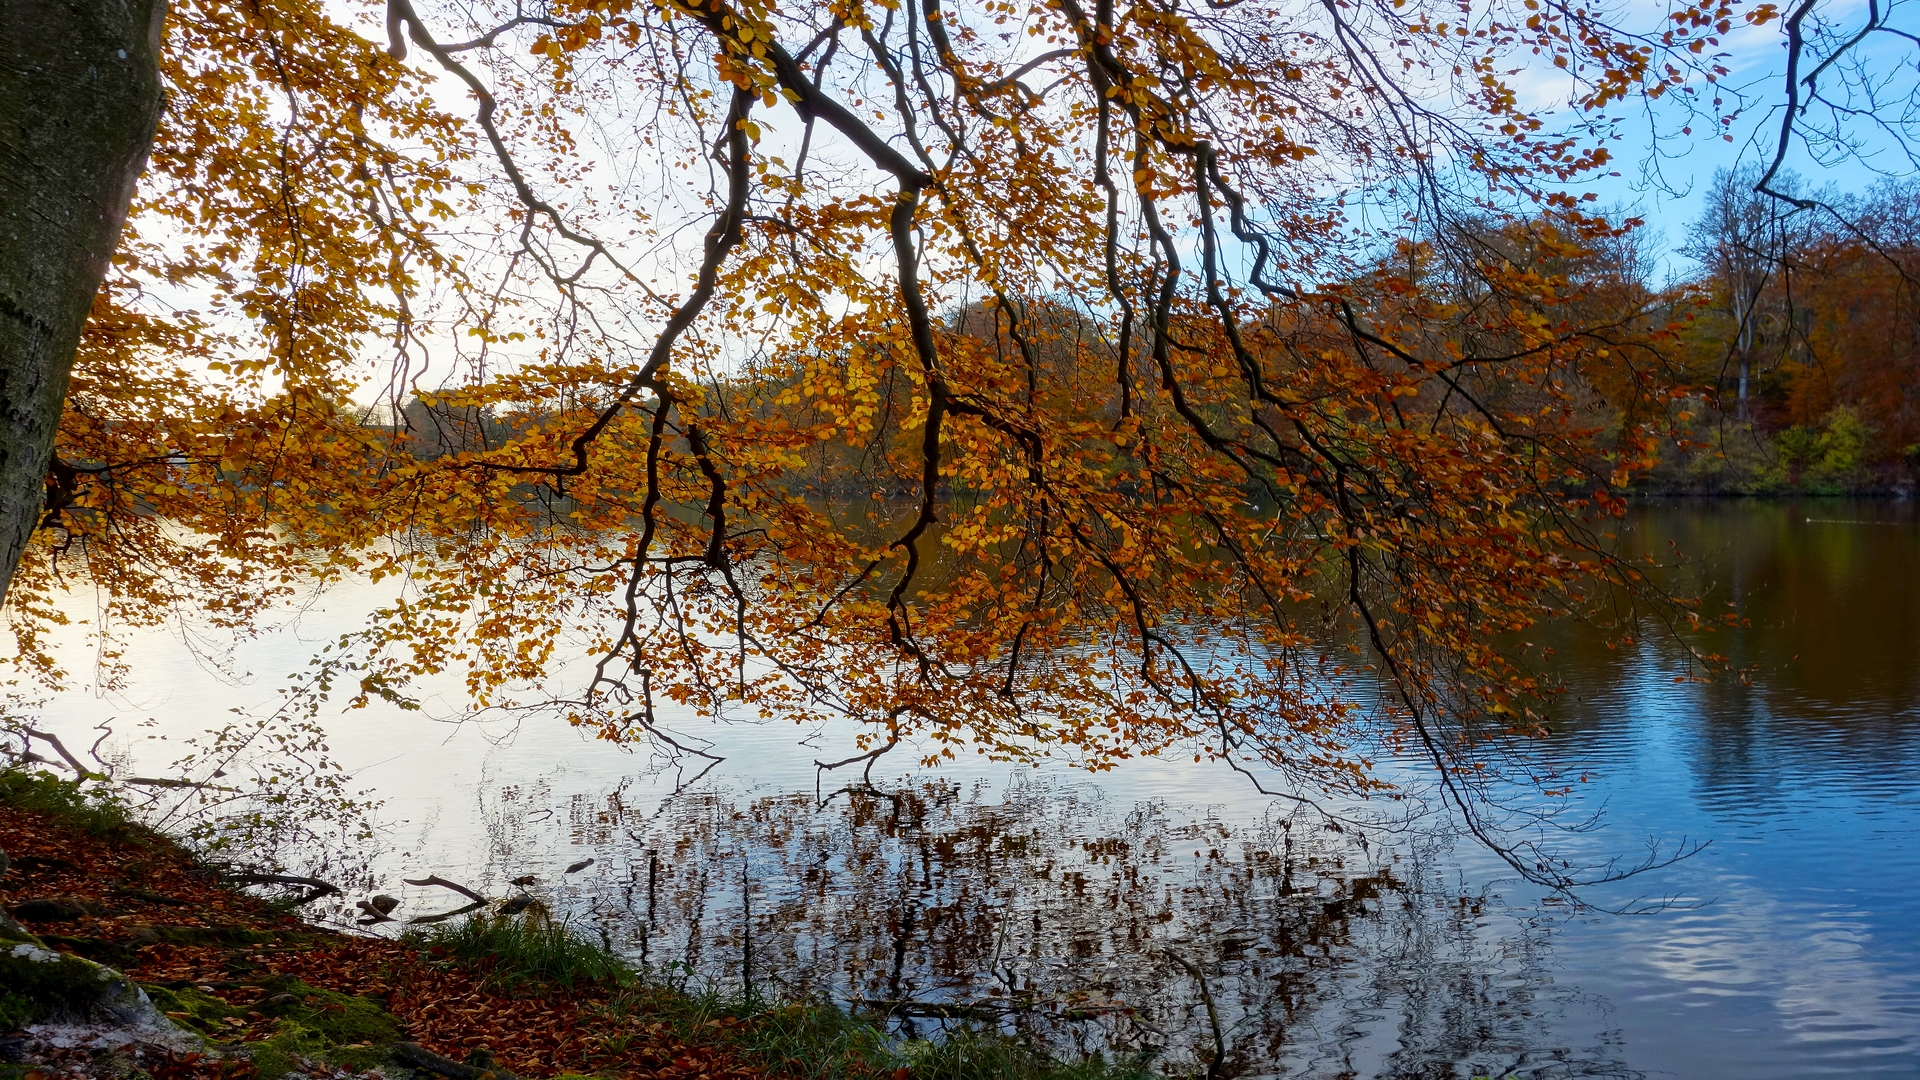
(1805, 342)
(1787, 363)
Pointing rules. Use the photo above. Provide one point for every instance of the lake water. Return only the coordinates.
(1108, 912)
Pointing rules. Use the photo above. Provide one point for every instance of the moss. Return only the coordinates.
(192, 1009)
(40, 983)
(278, 1056)
(67, 802)
(294, 1044)
(310, 1024)
(342, 1019)
(344, 1030)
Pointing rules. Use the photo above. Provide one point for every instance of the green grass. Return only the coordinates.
(815, 1041)
(64, 800)
(526, 950)
(972, 1054)
(805, 1040)
(794, 1038)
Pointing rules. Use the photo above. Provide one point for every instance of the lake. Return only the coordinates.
(1120, 911)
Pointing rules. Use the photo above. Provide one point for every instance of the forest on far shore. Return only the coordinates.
(1803, 339)
(1788, 359)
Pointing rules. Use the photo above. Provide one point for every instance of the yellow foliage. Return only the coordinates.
(1033, 389)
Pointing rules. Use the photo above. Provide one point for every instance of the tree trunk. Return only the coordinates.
(79, 99)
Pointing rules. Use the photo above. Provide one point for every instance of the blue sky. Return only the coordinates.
(1665, 171)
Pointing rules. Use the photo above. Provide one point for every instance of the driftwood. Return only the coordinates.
(161, 781)
(445, 915)
(421, 1058)
(938, 1010)
(445, 884)
(85, 773)
(990, 1009)
(61, 749)
(377, 910)
(315, 887)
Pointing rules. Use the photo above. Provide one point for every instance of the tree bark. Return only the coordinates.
(79, 100)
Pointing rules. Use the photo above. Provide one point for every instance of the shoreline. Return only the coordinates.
(132, 957)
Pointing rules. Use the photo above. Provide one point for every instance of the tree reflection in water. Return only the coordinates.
(1045, 911)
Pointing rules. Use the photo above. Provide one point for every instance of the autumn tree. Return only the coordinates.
(1856, 324)
(1814, 306)
(1746, 241)
(1127, 305)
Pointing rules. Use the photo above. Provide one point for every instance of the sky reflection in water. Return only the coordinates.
(1071, 905)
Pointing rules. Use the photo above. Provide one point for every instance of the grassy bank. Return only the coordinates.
(492, 998)
(793, 1038)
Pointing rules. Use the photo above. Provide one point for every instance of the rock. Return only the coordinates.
(68, 1001)
(372, 912)
(12, 931)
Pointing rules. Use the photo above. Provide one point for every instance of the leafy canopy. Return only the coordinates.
(1051, 377)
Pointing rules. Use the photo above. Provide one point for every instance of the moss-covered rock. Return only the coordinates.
(38, 984)
(293, 1045)
(342, 1019)
(309, 1025)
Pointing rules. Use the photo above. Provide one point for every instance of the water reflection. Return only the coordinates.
(1805, 776)
(1044, 909)
(1830, 649)
(1827, 589)
(1409, 957)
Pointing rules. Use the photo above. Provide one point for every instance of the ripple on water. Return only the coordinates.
(1062, 901)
